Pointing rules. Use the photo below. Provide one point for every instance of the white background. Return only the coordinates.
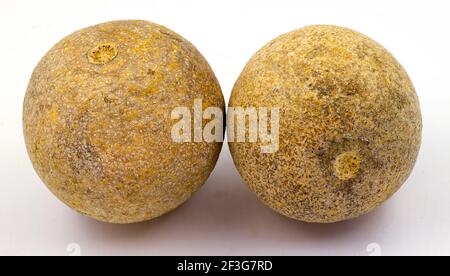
(224, 218)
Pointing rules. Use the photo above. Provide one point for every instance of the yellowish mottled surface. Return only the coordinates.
(97, 120)
(350, 127)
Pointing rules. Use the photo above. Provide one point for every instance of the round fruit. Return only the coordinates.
(349, 130)
(97, 120)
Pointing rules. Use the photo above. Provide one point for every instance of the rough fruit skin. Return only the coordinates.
(97, 120)
(350, 124)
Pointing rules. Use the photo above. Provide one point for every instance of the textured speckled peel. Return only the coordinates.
(350, 124)
(97, 120)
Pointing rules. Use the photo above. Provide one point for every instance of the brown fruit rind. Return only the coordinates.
(97, 120)
(350, 124)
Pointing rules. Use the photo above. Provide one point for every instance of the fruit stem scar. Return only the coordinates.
(347, 165)
(102, 54)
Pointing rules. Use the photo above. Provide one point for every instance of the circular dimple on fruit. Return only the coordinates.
(347, 165)
(102, 54)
